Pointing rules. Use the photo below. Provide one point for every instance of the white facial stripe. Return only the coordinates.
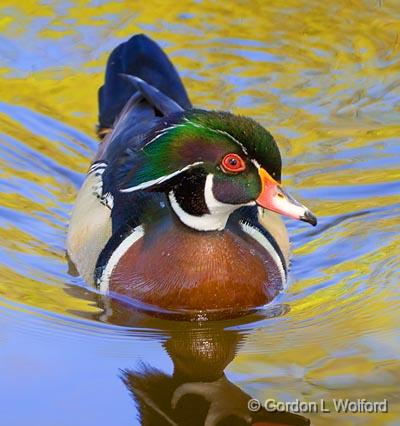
(206, 222)
(104, 281)
(234, 140)
(222, 132)
(213, 221)
(214, 206)
(261, 239)
(160, 179)
(162, 132)
(200, 126)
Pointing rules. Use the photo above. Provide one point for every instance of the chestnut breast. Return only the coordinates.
(179, 268)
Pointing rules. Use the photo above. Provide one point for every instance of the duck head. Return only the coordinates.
(210, 164)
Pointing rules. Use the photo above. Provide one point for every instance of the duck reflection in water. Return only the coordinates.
(198, 392)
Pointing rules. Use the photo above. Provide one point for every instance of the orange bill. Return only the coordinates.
(274, 198)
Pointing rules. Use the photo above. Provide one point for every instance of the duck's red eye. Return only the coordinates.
(233, 163)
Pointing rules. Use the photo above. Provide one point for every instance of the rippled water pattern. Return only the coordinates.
(323, 77)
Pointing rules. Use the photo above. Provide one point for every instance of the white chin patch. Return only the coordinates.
(213, 221)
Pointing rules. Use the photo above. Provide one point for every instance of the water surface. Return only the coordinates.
(323, 77)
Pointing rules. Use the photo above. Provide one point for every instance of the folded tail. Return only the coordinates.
(144, 59)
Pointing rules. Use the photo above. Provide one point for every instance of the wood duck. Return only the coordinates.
(179, 207)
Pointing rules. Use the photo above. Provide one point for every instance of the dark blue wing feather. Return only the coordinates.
(143, 58)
